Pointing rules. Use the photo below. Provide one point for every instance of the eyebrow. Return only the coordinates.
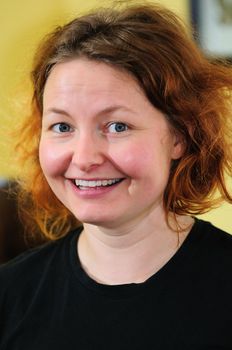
(106, 110)
(56, 111)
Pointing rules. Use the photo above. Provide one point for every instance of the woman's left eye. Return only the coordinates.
(117, 127)
(61, 128)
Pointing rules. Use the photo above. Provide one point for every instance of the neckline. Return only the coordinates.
(167, 272)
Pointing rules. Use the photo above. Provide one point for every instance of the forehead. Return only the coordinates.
(83, 74)
(81, 84)
(87, 89)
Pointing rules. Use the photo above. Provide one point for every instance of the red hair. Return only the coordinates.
(150, 43)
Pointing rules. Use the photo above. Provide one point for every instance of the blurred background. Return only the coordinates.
(23, 23)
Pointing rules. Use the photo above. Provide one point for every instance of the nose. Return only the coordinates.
(88, 152)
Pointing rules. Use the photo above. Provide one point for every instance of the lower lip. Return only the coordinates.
(95, 192)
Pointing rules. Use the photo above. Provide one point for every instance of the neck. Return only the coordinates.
(129, 254)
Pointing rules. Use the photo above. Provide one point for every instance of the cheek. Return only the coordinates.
(134, 160)
(53, 158)
(145, 162)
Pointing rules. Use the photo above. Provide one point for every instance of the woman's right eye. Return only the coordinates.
(61, 128)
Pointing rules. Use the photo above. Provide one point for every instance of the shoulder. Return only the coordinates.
(28, 268)
(31, 279)
(212, 234)
(212, 248)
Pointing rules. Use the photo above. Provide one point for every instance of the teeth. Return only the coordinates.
(98, 183)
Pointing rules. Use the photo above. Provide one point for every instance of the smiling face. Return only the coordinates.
(104, 150)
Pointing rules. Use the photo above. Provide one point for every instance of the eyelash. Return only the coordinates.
(59, 125)
(118, 123)
(62, 127)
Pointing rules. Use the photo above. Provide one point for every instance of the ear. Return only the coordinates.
(179, 146)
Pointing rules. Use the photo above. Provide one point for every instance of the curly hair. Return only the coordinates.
(193, 92)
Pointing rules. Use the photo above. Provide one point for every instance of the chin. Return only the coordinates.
(94, 220)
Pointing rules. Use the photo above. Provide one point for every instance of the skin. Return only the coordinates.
(99, 125)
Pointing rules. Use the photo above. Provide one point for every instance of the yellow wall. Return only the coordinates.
(22, 24)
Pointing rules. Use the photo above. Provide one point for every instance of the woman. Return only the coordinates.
(131, 128)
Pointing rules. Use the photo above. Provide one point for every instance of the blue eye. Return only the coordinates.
(117, 127)
(61, 128)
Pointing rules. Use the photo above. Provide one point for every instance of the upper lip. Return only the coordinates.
(97, 179)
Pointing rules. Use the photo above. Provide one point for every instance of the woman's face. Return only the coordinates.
(104, 150)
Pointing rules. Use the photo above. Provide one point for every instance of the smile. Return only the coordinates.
(83, 184)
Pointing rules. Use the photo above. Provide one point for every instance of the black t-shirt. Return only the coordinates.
(47, 301)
